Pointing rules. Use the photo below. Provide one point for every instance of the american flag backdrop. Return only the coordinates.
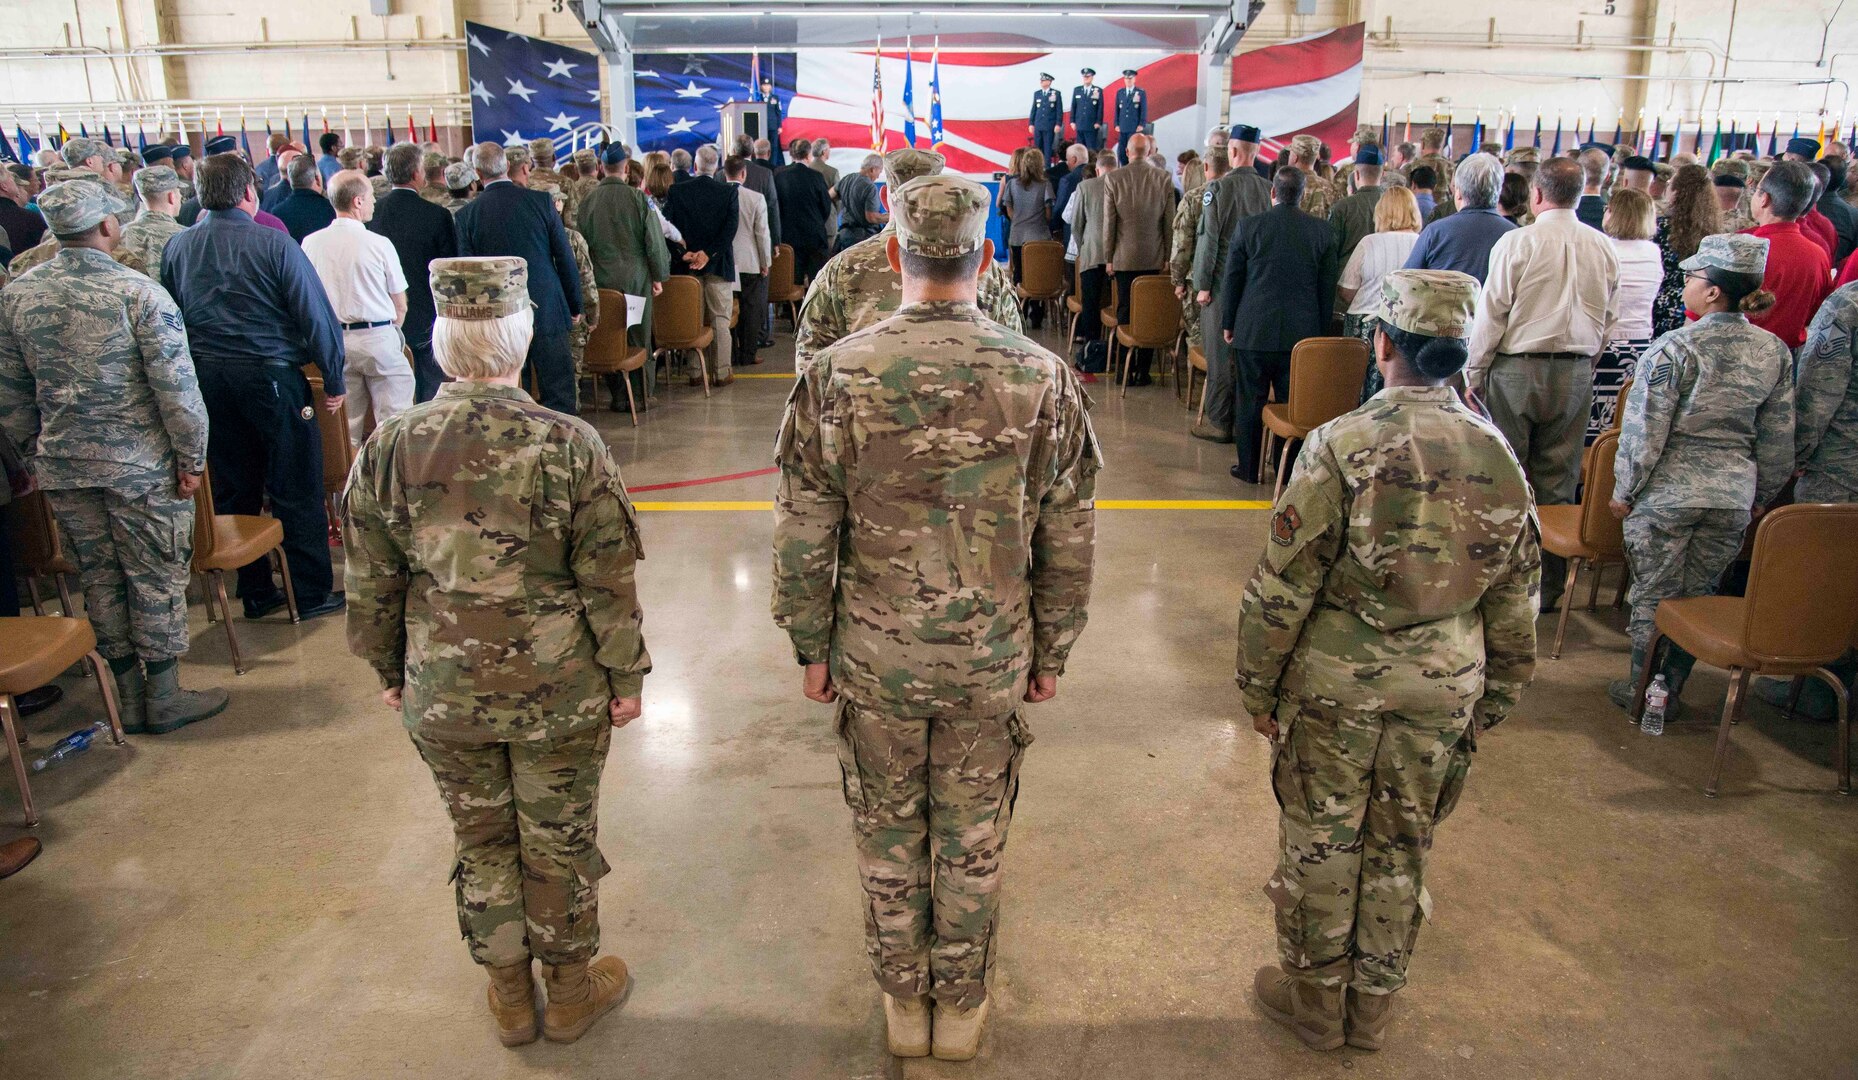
(526, 88)
(676, 95)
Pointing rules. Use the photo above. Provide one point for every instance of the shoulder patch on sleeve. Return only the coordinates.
(174, 321)
(1284, 525)
(1206, 196)
(1660, 373)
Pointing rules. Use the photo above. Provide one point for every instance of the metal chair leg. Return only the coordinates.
(1793, 698)
(106, 685)
(32, 588)
(290, 590)
(632, 405)
(1842, 757)
(9, 722)
(64, 596)
(1731, 715)
(206, 601)
(1282, 471)
(1645, 676)
(232, 636)
(1593, 591)
(703, 365)
(1625, 580)
(1561, 623)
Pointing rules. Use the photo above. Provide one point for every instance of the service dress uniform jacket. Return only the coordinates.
(1131, 118)
(1046, 120)
(1087, 115)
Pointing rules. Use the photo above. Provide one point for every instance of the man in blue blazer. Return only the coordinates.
(509, 219)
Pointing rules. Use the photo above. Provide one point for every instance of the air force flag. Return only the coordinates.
(526, 88)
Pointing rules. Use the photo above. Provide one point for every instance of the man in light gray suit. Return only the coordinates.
(1084, 214)
(1138, 219)
(753, 255)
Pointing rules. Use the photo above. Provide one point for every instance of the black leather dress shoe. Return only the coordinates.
(330, 604)
(34, 701)
(258, 609)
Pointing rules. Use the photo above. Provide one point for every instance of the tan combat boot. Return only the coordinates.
(906, 1022)
(1297, 1000)
(580, 993)
(1367, 1019)
(512, 1003)
(958, 1031)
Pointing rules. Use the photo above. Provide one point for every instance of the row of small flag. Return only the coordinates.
(1719, 143)
(58, 134)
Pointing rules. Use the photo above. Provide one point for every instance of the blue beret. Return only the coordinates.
(1368, 154)
(1245, 133)
(1806, 148)
(221, 144)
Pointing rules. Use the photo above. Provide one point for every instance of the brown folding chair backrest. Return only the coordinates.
(1041, 268)
(1154, 312)
(781, 286)
(1619, 405)
(677, 313)
(35, 535)
(1802, 593)
(1600, 530)
(1325, 379)
(338, 456)
(606, 346)
(203, 518)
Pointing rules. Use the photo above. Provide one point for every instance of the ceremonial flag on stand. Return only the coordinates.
(122, 125)
(325, 110)
(1593, 125)
(308, 146)
(1477, 130)
(141, 138)
(1657, 136)
(1795, 135)
(1774, 134)
(26, 145)
(1536, 140)
(877, 98)
(432, 127)
(1716, 141)
(1556, 152)
(387, 125)
(82, 131)
(268, 131)
(1820, 138)
(245, 144)
(754, 75)
(107, 140)
(1619, 128)
(219, 124)
(1386, 126)
(1408, 137)
(1509, 136)
(6, 151)
(412, 133)
(348, 134)
(935, 95)
(909, 96)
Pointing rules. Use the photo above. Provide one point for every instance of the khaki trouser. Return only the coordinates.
(377, 376)
(718, 302)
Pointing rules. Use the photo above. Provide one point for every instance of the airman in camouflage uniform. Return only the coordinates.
(429, 164)
(48, 247)
(1523, 161)
(1826, 403)
(857, 288)
(1233, 197)
(145, 238)
(588, 163)
(1318, 194)
(545, 175)
(579, 333)
(927, 461)
(97, 388)
(1181, 255)
(1708, 433)
(491, 553)
(1364, 135)
(1440, 164)
(518, 156)
(459, 176)
(1390, 619)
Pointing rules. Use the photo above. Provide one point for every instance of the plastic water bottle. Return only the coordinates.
(1657, 696)
(70, 746)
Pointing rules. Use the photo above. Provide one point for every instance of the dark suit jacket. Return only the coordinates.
(507, 220)
(304, 212)
(1066, 187)
(421, 231)
(679, 176)
(706, 211)
(1280, 280)
(760, 179)
(1844, 222)
(808, 203)
(1591, 209)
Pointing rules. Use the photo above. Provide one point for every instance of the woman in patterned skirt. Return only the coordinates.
(1631, 219)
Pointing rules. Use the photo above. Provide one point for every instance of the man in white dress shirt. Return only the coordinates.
(361, 273)
(1549, 302)
(753, 256)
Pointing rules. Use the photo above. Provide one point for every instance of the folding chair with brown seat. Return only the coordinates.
(1325, 382)
(678, 325)
(1196, 361)
(1041, 273)
(225, 542)
(338, 455)
(1586, 534)
(608, 352)
(33, 652)
(39, 550)
(1074, 300)
(1800, 614)
(1154, 321)
(782, 288)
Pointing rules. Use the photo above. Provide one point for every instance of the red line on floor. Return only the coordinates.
(705, 480)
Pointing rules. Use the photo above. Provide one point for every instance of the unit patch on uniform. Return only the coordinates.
(1206, 197)
(1284, 525)
(1660, 374)
(173, 319)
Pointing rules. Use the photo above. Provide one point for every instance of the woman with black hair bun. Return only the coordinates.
(1707, 437)
(1391, 619)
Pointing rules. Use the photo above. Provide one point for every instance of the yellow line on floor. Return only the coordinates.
(1102, 504)
(764, 374)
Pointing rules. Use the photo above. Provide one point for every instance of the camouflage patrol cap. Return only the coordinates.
(1730, 167)
(1306, 146)
(1738, 253)
(157, 180)
(905, 165)
(1432, 135)
(76, 206)
(1365, 133)
(940, 217)
(480, 288)
(517, 156)
(79, 150)
(1436, 303)
(460, 175)
(586, 160)
(540, 146)
(1522, 155)
(431, 160)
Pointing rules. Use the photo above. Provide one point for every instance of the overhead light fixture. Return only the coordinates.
(672, 12)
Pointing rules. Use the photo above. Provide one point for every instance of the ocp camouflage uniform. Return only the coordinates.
(491, 553)
(1826, 403)
(1181, 257)
(144, 240)
(547, 177)
(1391, 618)
(1707, 434)
(97, 387)
(1442, 168)
(857, 289)
(1318, 197)
(590, 303)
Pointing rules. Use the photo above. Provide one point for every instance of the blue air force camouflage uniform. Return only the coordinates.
(1826, 403)
(1707, 435)
(1391, 618)
(491, 554)
(97, 387)
(934, 529)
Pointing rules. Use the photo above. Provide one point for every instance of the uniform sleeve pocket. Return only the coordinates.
(849, 778)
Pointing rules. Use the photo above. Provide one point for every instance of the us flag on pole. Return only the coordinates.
(877, 98)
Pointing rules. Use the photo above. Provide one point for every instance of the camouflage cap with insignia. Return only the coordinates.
(1730, 167)
(1306, 146)
(460, 175)
(1522, 154)
(1738, 253)
(587, 160)
(480, 288)
(517, 156)
(79, 150)
(1365, 133)
(905, 165)
(431, 160)
(76, 206)
(538, 147)
(1436, 303)
(157, 180)
(940, 217)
